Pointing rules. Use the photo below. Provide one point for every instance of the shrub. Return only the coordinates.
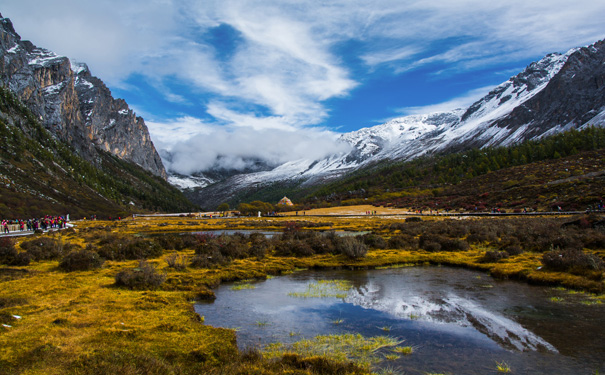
(171, 242)
(211, 260)
(296, 248)
(494, 256)
(513, 250)
(124, 248)
(21, 259)
(260, 246)
(7, 251)
(374, 241)
(44, 248)
(402, 241)
(145, 276)
(432, 246)
(454, 244)
(595, 240)
(229, 247)
(233, 247)
(565, 260)
(176, 261)
(351, 247)
(321, 244)
(82, 260)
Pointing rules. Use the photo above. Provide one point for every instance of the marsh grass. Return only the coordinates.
(405, 350)
(395, 266)
(71, 322)
(503, 367)
(341, 348)
(325, 289)
(243, 286)
(388, 371)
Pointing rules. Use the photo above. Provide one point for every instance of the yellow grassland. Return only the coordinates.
(80, 323)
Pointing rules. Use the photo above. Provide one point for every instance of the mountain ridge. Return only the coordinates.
(556, 93)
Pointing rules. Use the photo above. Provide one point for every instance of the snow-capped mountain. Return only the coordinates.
(74, 105)
(557, 93)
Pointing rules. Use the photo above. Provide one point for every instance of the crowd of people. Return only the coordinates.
(44, 223)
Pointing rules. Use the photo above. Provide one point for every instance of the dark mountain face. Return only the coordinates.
(74, 105)
(573, 97)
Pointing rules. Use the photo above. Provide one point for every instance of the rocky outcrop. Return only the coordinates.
(74, 105)
(572, 98)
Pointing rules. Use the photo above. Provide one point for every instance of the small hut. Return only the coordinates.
(285, 201)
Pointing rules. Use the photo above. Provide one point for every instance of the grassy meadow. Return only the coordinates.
(85, 303)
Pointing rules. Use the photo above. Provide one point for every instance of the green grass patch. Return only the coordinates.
(341, 348)
(243, 286)
(325, 289)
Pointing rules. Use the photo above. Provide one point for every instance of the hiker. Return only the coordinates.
(5, 225)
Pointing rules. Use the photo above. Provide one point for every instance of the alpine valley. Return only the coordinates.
(62, 128)
(558, 93)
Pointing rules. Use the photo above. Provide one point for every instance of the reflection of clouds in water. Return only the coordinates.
(447, 309)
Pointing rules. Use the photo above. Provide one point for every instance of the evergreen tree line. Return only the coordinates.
(453, 168)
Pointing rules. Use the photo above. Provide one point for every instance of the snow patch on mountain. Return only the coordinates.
(519, 109)
(189, 182)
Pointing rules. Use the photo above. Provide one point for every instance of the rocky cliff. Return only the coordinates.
(74, 105)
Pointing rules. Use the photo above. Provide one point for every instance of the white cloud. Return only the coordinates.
(463, 101)
(240, 149)
(285, 63)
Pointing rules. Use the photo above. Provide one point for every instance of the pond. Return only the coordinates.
(457, 321)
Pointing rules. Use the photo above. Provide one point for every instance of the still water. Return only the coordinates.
(458, 321)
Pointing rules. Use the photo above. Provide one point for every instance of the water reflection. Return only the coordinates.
(446, 307)
(459, 321)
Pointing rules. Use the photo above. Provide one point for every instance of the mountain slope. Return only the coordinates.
(40, 175)
(72, 104)
(557, 93)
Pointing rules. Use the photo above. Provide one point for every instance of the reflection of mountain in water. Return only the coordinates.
(449, 308)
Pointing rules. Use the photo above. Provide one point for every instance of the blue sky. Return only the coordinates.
(209, 76)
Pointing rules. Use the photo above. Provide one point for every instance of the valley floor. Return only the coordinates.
(57, 322)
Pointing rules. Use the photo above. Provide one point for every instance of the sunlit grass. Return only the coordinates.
(391, 357)
(243, 286)
(76, 319)
(503, 367)
(324, 289)
(592, 302)
(405, 350)
(385, 328)
(556, 299)
(337, 321)
(395, 266)
(341, 348)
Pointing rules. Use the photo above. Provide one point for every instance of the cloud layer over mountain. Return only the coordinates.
(246, 66)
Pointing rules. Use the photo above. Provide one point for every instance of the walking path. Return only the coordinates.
(19, 233)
